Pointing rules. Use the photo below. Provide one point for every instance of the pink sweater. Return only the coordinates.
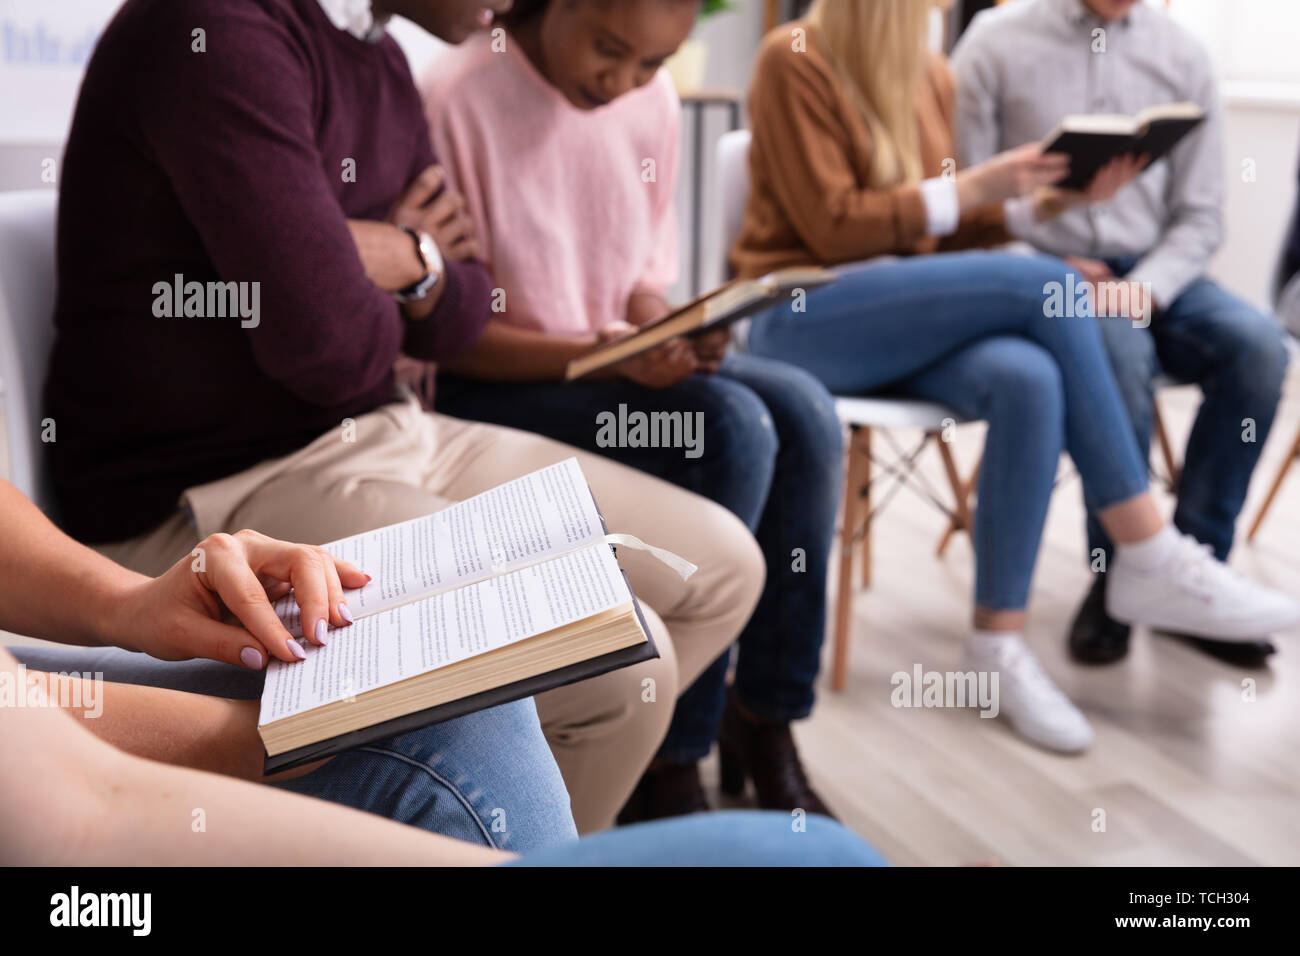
(574, 208)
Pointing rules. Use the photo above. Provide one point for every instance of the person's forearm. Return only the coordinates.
(72, 799)
(51, 586)
(389, 257)
(153, 814)
(387, 254)
(508, 354)
(170, 726)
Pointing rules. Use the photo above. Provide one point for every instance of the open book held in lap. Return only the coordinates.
(725, 305)
(501, 596)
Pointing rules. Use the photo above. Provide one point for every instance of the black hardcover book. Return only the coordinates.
(1091, 141)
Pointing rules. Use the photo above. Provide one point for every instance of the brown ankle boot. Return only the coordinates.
(765, 752)
(669, 790)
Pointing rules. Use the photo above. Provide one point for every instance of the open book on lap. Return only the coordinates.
(501, 596)
(725, 305)
(1091, 140)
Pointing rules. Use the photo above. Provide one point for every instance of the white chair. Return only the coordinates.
(26, 331)
(862, 415)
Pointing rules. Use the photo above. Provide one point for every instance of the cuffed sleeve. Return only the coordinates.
(459, 318)
(942, 210)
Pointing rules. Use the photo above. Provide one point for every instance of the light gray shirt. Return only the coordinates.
(1022, 67)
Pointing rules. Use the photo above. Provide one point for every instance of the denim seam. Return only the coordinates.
(464, 800)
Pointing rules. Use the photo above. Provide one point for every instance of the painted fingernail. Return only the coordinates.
(369, 578)
(297, 651)
(322, 637)
(251, 658)
(346, 613)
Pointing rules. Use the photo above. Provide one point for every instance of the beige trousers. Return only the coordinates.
(400, 462)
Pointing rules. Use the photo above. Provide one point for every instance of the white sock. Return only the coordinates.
(987, 642)
(1150, 553)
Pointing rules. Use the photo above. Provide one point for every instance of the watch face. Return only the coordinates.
(433, 268)
(429, 250)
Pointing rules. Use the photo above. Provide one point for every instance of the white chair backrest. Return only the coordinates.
(26, 330)
(732, 176)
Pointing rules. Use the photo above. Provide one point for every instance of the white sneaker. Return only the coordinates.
(1027, 698)
(1194, 593)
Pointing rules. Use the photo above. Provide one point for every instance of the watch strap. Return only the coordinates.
(420, 287)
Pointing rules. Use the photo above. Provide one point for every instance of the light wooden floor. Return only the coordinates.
(1186, 771)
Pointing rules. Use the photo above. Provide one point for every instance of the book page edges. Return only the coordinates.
(635, 654)
(471, 670)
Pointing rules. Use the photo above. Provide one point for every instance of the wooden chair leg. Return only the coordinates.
(852, 512)
(1277, 484)
(961, 501)
(1166, 450)
(963, 494)
(863, 532)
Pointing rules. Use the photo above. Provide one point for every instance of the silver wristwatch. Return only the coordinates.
(429, 254)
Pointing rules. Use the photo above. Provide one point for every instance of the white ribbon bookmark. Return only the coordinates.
(676, 562)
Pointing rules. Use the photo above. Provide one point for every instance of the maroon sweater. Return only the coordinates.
(228, 165)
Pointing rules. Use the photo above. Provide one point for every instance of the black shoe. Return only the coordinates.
(765, 752)
(669, 790)
(1236, 653)
(1095, 636)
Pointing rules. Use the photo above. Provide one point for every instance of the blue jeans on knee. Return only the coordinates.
(973, 331)
(1237, 355)
(488, 778)
(771, 455)
(730, 838)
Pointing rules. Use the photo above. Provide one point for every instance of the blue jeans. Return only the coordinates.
(970, 330)
(488, 778)
(1237, 355)
(771, 455)
(732, 838)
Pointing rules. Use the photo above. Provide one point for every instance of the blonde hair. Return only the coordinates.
(878, 49)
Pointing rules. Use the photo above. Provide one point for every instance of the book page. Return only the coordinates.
(445, 628)
(795, 277)
(1114, 124)
(1183, 110)
(545, 513)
